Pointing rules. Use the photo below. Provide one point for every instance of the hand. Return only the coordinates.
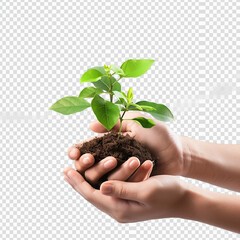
(164, 143)
(93, 172)
(158, 197)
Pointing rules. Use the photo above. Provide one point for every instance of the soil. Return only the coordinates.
(122, 149)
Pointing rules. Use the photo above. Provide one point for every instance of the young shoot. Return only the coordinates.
(105, 81)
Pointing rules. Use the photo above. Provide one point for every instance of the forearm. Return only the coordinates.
(217, 164)
(212, 208)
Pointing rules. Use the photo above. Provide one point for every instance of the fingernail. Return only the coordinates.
(107, 189)
(72, 153)
(69, 173)
(134, 163)
(86, 160)
(108, 164)
(147, 164)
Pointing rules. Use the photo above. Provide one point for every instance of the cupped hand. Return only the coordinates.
(129, 170)
(166, 145)
(157, 197)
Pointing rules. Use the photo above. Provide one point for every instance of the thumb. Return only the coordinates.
(97, 127)
(119, 189)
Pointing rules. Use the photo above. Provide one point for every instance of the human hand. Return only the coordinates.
(160, 196)
(129, 170)
(157, 197)
(164, 144)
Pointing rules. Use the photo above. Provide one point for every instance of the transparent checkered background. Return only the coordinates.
(46, 45)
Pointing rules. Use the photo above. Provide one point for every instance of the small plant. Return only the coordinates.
(109, 112)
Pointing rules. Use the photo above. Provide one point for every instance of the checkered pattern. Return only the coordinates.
(46, 45)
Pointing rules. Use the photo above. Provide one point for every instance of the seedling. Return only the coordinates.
(106, 82)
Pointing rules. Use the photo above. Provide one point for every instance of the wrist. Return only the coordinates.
(196, 159)
(187, 157)
(196, 204)
(200, 159)
(211, 208)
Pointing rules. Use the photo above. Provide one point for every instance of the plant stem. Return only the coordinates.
(121, 120)
(117, 80)
(124, 113)
(111, 85)
(120, 128)
(110, 90)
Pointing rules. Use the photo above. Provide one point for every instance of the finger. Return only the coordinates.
(131, 211)
(94, 173)
(78, 183)
(65, 170)
(125, 170)
(123, 190)
(99, 128)
(92, 195)
(68, 180)
(73, 153)
(85, 162)
(150, 164)
(143, 172)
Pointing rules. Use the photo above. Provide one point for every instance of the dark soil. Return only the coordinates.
(122, 149)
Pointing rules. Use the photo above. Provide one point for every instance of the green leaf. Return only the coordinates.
(161, 113)
(107, 68)
(134, 106)
(130, 95)
(90, 92)
(69, 105)
(120, 105)
(91, 75)
(118, 102)
(104, 84)
(147, 108)
(106, 112)
(144, 122)
(121, 96)
(124, 95)
(136, 67)
(117, 69)
(100, 69)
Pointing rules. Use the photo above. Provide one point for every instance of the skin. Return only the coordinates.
(163, 195)
(169, 150)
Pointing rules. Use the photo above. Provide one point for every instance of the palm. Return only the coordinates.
(164, 143)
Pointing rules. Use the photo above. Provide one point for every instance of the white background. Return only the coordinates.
(45, 46)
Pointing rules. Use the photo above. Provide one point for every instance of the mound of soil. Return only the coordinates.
(122, 149)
